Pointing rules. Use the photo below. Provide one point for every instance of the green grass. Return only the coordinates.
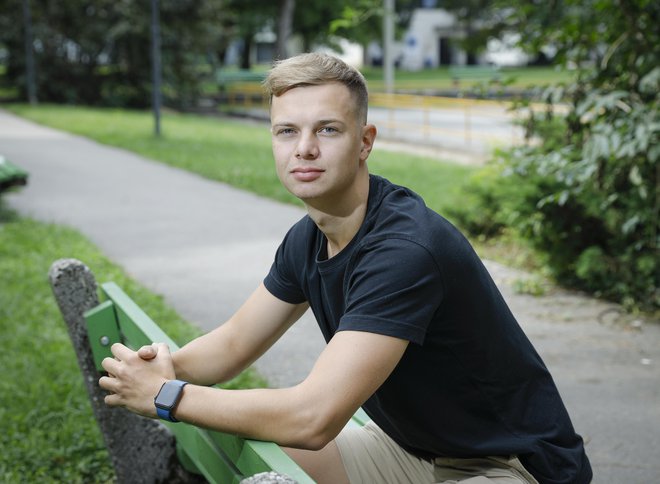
(515, 78)
(440, 78)
(7, 89)
(544, 75)
(48, 430)
(234, 152)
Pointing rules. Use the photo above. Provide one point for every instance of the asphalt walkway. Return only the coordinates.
(205, 246)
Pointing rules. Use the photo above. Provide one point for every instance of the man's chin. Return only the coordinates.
(305, 191)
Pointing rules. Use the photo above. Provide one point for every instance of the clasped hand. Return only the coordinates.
(135, 377)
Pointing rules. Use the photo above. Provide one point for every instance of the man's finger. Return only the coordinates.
(121, 352)
(148, 352)
(108, 383)
(110, 365)
(112, 400)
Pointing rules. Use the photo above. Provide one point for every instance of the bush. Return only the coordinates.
(585, 189)
(588, 204)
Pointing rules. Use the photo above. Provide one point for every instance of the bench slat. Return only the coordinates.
(137, 328)
(206, 458)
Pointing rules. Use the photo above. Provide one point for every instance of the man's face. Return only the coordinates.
(318, 144)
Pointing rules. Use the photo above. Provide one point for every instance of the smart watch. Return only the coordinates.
(168, 397)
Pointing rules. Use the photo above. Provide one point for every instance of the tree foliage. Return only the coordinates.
(99, 52)
(587, 195)
(362, 21)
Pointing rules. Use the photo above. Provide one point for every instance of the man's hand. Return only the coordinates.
(133, 380)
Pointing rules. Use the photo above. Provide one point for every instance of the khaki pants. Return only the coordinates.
(370, 456)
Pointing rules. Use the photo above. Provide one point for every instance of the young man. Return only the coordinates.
(417, 332)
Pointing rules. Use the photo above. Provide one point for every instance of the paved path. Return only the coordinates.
(204, 246)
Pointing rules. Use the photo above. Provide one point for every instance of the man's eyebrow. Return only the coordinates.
(320, 122)
(330, 120)
(283, 123)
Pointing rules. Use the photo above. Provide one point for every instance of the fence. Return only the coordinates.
(454, 123)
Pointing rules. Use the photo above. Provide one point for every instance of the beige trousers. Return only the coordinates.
(370, 456)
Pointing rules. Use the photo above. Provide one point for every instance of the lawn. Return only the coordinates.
(507, 84)
(48, 430)
(440, 78)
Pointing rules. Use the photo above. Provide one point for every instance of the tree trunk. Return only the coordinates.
(284, 27)
(245, 54)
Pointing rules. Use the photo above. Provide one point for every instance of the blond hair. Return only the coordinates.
(316, 69)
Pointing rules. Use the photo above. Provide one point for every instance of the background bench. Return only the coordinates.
(11, 175)
(240, 88)
(93, 327)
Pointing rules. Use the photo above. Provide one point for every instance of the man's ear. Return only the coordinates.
(368, 137)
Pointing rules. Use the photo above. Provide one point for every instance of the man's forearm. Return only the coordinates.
(227, 350)
(207, 360)
(284, 416)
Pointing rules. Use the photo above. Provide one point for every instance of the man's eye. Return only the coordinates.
(285, 131)
(328, 130)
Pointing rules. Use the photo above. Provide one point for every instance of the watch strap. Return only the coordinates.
(165, 414)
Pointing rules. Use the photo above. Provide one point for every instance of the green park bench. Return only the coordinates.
(224, 77)
(11, 175)
(218, 457)
(240, 88)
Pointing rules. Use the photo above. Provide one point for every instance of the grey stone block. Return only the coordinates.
(268, 478)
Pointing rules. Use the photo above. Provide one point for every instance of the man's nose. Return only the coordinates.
(308, 147)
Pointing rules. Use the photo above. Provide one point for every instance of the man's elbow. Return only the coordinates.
(318, 429)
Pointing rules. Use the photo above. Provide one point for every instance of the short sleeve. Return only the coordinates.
(393, 287)
(283, 279)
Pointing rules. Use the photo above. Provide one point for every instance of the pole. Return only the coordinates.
(156, 65)
(388, 45)
(29, 54)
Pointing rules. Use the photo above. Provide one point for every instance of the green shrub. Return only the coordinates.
(589, 205)
(584, 190)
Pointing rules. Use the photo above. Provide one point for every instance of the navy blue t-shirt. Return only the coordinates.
(470, 384)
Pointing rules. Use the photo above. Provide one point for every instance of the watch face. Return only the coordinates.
(168, 395)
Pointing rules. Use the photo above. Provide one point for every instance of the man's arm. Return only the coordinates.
(226, 351)
(309, 415)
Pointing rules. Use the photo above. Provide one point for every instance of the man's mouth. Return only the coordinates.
(306, 173)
